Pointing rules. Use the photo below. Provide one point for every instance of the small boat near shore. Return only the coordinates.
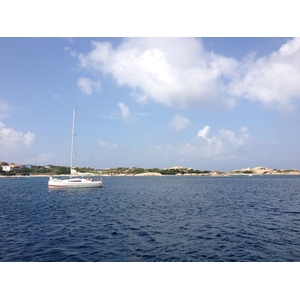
(74, 182)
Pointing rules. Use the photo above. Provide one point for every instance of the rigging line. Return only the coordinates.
(87, 142)
(60, 148)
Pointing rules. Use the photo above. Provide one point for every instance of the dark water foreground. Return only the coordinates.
(148, 219)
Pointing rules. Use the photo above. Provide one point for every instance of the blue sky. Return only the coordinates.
(206, 103)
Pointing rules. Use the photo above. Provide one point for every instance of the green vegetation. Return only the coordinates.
(244, 172)
(26, 170)
(63, 170)
(170, 172)
(34, 170)
(285, 171)
(123, 170)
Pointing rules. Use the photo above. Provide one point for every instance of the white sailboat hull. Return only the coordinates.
(74, 183)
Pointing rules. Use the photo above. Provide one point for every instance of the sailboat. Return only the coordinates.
(74, 182)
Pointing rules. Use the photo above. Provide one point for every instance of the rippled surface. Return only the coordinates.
(152, 219)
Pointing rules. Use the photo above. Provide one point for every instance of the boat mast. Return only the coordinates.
(72, 144)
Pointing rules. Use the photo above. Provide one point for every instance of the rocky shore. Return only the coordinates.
(181, 171)
(173, 171)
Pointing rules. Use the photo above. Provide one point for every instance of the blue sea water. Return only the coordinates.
(149, 219)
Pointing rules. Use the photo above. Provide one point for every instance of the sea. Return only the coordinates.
(152, 219)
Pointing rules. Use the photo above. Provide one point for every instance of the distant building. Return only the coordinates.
(11, 167)
(6, 168)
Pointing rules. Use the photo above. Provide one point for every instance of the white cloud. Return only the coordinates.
(87, 86)
(230, 137)
(173, 71)
(272, 80)
(125, 112)
(203, 132)
(72, 53)
(12, 141)
(290, 48)
(205, 151)
(179, 122)
(179, 72)
(225, 144)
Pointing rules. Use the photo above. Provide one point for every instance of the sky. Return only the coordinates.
(206, 103)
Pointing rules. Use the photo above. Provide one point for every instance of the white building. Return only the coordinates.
(11, 167)
(6, 168)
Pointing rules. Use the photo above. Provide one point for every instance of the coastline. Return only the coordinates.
(174, 171)
(158, 175)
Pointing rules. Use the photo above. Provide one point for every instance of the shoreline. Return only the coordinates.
(174, 171)
(160, 175)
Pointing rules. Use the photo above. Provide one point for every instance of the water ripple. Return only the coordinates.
(152, 219)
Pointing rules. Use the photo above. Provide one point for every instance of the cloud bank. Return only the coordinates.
(179, 72)
(272, 80)
(224, 145)
(12, 141)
